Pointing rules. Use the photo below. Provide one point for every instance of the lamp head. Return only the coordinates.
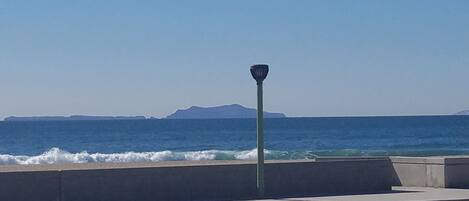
(259, 72)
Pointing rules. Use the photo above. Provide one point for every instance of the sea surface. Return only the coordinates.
(47, 142)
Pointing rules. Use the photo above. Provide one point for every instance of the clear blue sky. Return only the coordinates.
(327, 58)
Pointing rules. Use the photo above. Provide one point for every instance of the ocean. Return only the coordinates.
(48, 142)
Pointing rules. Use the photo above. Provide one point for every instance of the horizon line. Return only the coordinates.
(143, 117)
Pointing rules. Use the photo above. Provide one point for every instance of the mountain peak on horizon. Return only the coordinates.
(464, 112)
(220, 112)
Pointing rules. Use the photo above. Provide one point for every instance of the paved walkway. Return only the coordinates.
(399, 194)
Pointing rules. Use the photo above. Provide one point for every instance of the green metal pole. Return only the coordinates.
(260, 141)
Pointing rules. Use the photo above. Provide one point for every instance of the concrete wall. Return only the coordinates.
(217, 180)
(39, 185)
(159, 183)
(214, 180)
(457, 172)
(419, 171)
(328, 177)
(440, 172)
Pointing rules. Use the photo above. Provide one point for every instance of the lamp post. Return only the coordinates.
(259, 73)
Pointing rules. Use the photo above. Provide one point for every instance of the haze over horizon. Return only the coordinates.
(341, 58)
(86, 116)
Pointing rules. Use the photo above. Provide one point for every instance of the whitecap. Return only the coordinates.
(58, 156)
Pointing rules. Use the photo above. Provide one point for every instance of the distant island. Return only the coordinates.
(73, 118)
(465, 112)
(194, 112)
(220, 112)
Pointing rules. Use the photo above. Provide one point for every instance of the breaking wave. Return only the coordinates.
(58, 156)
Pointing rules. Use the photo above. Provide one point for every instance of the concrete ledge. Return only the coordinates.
(440, 172)
(351, 158)
(419, 171)
(183, 180)
(215, 180)
(418, 160)
(456, 160)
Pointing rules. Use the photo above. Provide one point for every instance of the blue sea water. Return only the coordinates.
(39, 142)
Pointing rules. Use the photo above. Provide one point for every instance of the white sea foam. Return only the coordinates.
(58, 156)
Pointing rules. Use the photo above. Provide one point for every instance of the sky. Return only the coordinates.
(327, 58)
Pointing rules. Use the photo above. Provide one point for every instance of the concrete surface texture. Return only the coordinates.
(225, 180)
(202, 180)
(441, 172)
(398, 194)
